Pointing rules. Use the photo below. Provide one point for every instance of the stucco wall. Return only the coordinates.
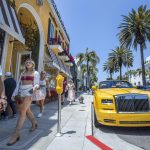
(44, 15)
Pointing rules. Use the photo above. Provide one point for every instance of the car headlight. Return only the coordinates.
(107, 101)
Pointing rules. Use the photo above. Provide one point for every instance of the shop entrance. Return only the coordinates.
(21, 58)
(21, 52)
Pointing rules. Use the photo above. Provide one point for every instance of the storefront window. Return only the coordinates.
(2, 38)
(51, 31)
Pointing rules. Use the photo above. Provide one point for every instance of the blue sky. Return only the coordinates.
(93, 24)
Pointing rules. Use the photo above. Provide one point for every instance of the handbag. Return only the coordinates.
(38, 95)
(18, 99)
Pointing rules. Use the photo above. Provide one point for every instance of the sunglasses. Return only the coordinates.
(28, 62)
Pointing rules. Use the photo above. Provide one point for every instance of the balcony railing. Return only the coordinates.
(54, 41)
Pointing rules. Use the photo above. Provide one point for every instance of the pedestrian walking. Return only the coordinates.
(3, 102)
(40, 95)
(71, 91)
(28, 83)
(10, 85)
(63, 93)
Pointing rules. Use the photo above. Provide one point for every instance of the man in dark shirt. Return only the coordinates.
(10, 85)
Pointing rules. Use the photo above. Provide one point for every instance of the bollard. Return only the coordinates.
(92, 118)
(59, 90)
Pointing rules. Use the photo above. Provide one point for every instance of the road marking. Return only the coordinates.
(98, 143)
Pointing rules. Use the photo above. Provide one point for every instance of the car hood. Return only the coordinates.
(117, 91)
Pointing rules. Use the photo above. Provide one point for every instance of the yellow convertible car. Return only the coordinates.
(118, 103)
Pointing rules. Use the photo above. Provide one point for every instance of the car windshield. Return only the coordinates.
(144, 87)
(147, 87)
(115, 84)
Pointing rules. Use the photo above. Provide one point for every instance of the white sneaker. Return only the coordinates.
(39, 115)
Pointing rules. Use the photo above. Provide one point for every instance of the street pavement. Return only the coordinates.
(122, 138)
(76, 124)
(76, 129)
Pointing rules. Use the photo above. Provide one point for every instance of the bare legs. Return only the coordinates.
(23, 111)
(40, 103)
(32, 119)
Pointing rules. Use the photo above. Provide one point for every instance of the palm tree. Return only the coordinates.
(93, 70)
(120, 57)
(88, 58)
(109, 67)
(93, 79)
(135, 31)
(93, 75)
(130, 73)
(83, 71)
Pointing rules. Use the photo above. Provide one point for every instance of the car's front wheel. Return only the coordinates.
(96, 123)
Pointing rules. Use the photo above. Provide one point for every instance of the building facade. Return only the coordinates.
(137, 78)
(34, 29)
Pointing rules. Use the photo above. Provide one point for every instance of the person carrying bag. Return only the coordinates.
(27, 85)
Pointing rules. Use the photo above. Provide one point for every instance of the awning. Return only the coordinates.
(9, 21)
(54, 59)
(63, 55)
(57, 63)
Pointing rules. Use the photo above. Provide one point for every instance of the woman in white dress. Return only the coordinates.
(71, 91)
(28, 83)
(44, 86)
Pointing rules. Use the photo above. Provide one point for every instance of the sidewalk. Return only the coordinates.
(76, 124)
(75, 129)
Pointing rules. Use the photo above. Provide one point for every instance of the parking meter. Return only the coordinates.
(59, 90)
(59, 84)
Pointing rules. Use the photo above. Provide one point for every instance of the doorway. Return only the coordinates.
(21, 58)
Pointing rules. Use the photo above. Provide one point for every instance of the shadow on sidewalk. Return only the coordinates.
(46, 126)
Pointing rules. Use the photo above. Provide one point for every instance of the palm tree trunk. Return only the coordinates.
(87, 74)
(120, 72)
(129, 77)
(82, 80)
(89, 79)
(110, 75)
(142, 63)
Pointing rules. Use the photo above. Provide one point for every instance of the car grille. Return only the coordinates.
(132, 103)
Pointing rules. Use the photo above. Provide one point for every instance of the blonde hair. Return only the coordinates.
(33, 63)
